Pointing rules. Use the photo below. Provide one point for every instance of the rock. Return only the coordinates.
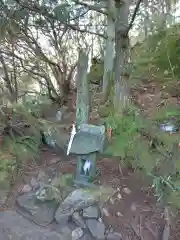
(119, 196)
(91, 212)
(111, 200)
(75, 201)
(80, 199)
(114, 236)
(59, 115)
(133, 207)
(105, 212)
(65, 231)
(26, 188)
(34, 183)
(127, 191)
(14, 226)
(63, 181)
(96, 228)
(41, 176)
(48, 193)
(77, 233)
(119, 214)
(42, 213)
(86, 237)
(100, 220)
(78, 220)
(3, 197)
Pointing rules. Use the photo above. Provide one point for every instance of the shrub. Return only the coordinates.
(159, 55)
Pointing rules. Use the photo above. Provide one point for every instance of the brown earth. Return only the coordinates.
(133, 210)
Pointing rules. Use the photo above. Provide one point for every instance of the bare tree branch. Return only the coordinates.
(133, 17)
(6, 78)
(96, 7)
(38, 9)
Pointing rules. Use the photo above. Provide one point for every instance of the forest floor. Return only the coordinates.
(133, 210)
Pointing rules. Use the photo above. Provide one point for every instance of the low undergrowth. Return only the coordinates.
(140, 143)
(21, 138)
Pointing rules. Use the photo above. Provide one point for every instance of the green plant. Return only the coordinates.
(161, 184)
(96, 73)
(168, 113)
(125, 131)
(139, 143)
(158, 57)
(7, 166)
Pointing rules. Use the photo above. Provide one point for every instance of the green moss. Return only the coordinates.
(100, 193)
(104, 111)
(174, 199)
(96, 73)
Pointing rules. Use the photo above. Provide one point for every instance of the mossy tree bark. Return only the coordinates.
(109, 49)
(82, 100)
(121, 56)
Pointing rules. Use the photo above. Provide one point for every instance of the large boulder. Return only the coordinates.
(14, 226)
(42, 213)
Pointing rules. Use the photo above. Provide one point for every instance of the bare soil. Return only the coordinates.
(133, 210)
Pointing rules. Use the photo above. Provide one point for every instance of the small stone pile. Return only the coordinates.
(82, 210)
(78, 216)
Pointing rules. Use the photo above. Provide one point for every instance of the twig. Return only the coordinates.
(140, 227)
(150, 229)
(133, 17)
(136, 230)
(110, 198)
(120, 170)
(166, 230)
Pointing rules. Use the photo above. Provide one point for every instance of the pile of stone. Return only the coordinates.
(79, 215)
(83, 210)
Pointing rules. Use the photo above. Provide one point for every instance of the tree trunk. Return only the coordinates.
(146, 18)
(15, 97)
(121, 58)
(82, 100)
(109, 49)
